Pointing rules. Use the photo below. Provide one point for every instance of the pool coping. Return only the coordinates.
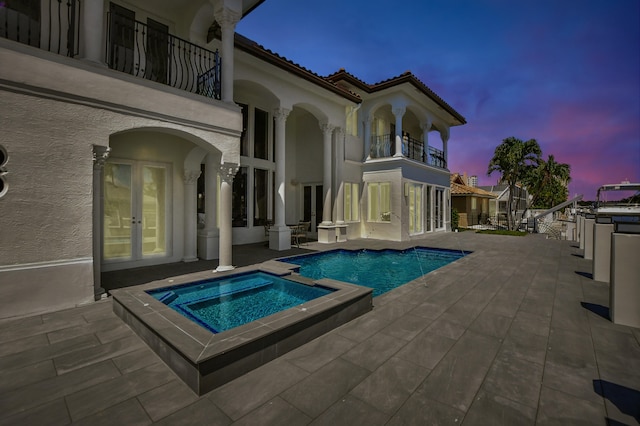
(206, 360)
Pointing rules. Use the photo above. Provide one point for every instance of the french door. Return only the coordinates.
(136, 218)
(312, 206)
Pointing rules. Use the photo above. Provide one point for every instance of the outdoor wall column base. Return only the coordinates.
(602, 251)
(280, 238)
(341, 233)
(208, 245)
(327, 234)
(588, 238)
(624, 298)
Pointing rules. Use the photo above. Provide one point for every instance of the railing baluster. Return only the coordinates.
(188, 66)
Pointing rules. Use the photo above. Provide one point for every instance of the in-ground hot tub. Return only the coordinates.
(205, 356)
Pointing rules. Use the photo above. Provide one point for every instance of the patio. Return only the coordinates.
(515, 333)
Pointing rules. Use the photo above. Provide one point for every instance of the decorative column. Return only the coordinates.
(227, 173)
(327, 132)
(190, 215)
(341, 227)
(208, 238)
(426, 126)
(367, 137)
(398, 113)
(339, 161)
(445, 151)
(280, 234)
(100, 155)
(91, 31)
(326, 229)
(227, 19)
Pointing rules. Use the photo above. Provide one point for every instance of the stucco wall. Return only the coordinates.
(53, 111)
(46, 214)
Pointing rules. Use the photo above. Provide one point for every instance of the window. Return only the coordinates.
(239, 198)
(474, 203)
(352, 121)
(4, 157)
(351, 202)
(260, 134)
(428, 212)
(260, 192)
(379, 207)
(415, 208)
(439, 208)
(244, 137)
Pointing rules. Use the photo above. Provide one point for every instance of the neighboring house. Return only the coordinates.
(182, 138)
(498, 206)
(471, 203)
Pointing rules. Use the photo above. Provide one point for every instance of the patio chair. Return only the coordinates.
(267, 224)
(299, 232)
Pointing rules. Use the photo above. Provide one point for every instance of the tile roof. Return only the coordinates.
(458, 187)
(405, 77)
(330, 82)
(260, 52)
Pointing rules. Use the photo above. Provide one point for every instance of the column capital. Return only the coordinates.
(281, 114)
(399, 111)
(426, 124)
(191, 176)
(228, 172)
(327, 128)
(445, 134)
(100, 155)
(227, 18)
(339, 131)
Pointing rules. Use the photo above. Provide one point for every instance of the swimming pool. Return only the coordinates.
(205, 357)
(381, 270)
(225, 303)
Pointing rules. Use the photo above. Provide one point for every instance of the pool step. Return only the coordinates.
(168, 297)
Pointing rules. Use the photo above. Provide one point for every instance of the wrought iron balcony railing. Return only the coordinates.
(144, 50)
(150, 52)
(52, 25)
(383, 146)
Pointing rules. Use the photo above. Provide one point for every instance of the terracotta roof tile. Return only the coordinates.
(405, 77)
(459, 188)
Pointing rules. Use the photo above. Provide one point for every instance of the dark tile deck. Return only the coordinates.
(516, 333)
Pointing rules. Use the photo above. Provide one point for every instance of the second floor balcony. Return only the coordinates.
(145, 50)
(383, 146)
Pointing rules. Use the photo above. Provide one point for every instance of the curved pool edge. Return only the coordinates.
(204, 360)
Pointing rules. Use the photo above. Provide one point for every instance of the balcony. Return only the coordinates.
(383, 146)
(146, 51)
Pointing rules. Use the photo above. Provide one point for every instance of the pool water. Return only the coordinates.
(381, 270)
(225, 303)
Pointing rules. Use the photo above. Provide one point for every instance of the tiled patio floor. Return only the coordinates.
(516, 333)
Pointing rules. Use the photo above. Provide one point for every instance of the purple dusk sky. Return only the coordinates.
(566, 73)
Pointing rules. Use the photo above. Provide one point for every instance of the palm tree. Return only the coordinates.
(548, 183)
(514, 160)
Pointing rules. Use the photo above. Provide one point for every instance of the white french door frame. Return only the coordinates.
(136, 221)
(315, 205)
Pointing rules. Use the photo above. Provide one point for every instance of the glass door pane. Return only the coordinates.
(117, 211)
(156, 67)
(312, 206)
(154, 200)
(319, 205)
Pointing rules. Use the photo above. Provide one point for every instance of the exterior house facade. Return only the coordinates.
(471, 203)
(139, 133)
(498, 206)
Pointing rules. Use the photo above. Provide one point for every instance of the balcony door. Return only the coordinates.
(312, 206)
(136, 213)
(121, 38)
(157, 53)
